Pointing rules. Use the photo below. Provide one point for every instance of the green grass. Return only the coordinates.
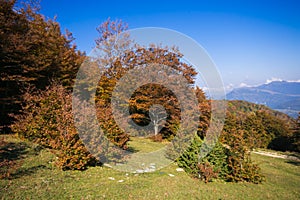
(38, 178)
(146, 154)
(144, 145)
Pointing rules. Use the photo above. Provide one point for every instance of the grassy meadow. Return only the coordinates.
(34, 176)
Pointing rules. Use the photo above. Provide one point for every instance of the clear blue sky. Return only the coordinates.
(250, 41)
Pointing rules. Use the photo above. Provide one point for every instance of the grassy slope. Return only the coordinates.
(37, 178)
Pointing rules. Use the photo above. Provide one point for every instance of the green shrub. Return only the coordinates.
(212, 166)
(189, 159)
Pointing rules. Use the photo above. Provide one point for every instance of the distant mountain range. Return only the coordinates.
(283, 96)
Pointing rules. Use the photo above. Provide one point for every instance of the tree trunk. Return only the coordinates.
(155, 129)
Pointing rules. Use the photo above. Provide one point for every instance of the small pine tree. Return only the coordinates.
(189, 159)
(212, 166)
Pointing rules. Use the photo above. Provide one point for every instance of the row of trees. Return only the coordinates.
(264, 127)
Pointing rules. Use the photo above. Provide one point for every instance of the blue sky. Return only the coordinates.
(249, 41)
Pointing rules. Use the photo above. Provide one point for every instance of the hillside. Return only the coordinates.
(242, 108)
(279, 95)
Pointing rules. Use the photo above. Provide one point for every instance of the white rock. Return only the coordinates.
(172, 175)
(139, 171)
(107, 165)
(180, 170)
(120, 181)
(111, 178)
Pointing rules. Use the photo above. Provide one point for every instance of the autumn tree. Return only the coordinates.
(255, 133)
(239, 163)
(112, 47)
(127, 56)
(204, 106)
(144, 97)
(33, 51)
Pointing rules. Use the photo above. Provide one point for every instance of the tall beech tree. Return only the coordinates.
(147, 95)
(124, 55)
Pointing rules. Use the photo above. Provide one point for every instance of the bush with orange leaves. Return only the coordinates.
(47, 119)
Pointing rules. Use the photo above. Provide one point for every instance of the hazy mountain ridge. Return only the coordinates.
(279, 95)
(284, 87)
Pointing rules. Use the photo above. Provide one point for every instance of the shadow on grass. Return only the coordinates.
(132, 149)
(11, 158)
(13, 151)
(293, 162)
(26, 171)
(293, 158)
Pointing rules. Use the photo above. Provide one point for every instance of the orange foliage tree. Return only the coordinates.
(33, 52)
